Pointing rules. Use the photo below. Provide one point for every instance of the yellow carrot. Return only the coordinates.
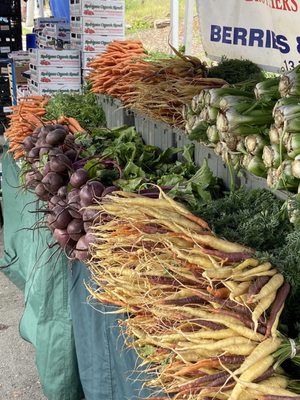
(220, 344)
(250, 262)
(240, 289)
(197, 336)
(250, 374)
(252, 272)
(261, 307)
(262, 350)
(276, 322)
(272, 286)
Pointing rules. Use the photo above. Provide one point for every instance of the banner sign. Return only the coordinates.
(263, 31)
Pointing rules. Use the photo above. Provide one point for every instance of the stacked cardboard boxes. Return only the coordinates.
(94, 24)
(19, 63)
(52, 33)
(53, 66)
(53, 70)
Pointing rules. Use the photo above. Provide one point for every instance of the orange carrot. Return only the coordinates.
(223, 292)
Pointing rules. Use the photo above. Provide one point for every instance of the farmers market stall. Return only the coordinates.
(102, 331)
(148, 268)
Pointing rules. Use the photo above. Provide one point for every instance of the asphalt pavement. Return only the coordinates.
(18, 374)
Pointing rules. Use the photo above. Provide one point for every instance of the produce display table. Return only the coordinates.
(77, 345)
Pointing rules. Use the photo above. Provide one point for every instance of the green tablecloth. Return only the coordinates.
(46, 321)
(65, 330)
(108, 371)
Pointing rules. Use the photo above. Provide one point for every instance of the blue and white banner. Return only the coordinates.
(264, 31)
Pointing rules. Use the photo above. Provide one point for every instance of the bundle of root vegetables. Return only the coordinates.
(25, 117)
(158, 88)
(55, 172)
(28, 115)
(203, 311)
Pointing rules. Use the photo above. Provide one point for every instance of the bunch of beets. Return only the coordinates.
(56, 175)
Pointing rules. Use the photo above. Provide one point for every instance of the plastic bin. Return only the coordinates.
(181, 138)
(164, 135)
(218, 167)
(115, 112)
(256, 182)
(153, 132)
(141, 123)
(30, 41)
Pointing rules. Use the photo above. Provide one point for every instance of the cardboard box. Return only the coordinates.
(50, 42)
(92, 44)
(98, 8)
(57, 31)
(40, 23)
(20, 55)
(98, 26)
(86, 58)
(51, 89)
(55, 58)
(22, 91)
(65, 75)
(85, 73)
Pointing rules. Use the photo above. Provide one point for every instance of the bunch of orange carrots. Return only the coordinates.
(157, 87)
(25, 117)
(115, 71)
(204, 312)
(28, 115)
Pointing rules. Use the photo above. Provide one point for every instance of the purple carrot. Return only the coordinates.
(200, 323)
(246, 321)
(165, 280)
(221, 381)
(131, 249)
(185, 301)
(226, 303)
(267, 374)
(153, 228)
(231, 257)
(204, 380)
(197, 274)
(280, 299)
(257, 284)
(229, 359)
(224, 379)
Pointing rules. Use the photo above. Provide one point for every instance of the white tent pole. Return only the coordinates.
(29, 13)
(175, 23)
(188, 26)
